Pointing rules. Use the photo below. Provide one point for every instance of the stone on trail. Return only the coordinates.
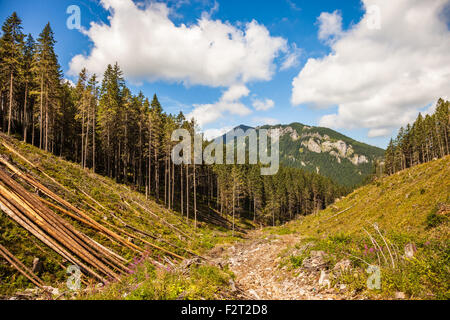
(316, 261)
(324, 279)
(342, 266)
(253, 292)
(400, 295)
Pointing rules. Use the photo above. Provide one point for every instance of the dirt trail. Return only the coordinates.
(256, 264)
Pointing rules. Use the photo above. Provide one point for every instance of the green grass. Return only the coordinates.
(111, 196)
(148, 282)
(404, 207)
(434, 220)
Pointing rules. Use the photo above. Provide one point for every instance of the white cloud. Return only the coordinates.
(265, 120)
(212, 11)
(149, 46)
(373, 133)
(228, 103)
(70, 82)
(211, 134)
(292, 58)
(263, 105)
(380, 78)
(330, 25)
(235, 93)
(293, 5)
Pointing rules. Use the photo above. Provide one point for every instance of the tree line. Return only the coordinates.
(426, 139)
(272, 199)
(105, 128)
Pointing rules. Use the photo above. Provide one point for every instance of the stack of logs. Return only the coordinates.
(36, 214)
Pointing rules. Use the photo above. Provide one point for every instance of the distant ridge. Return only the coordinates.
(324, 151)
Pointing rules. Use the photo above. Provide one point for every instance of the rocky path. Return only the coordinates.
(256, 264)
(260, 273)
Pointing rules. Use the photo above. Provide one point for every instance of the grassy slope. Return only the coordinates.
(404, 206)
(112, 196)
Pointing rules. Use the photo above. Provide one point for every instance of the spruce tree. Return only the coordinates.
(49, 76)
(11, 46)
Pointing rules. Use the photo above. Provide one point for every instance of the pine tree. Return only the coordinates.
(419, 138)
(157, 136)
(93, 100)
(28, 78)
(46, 66)
(425, 140)
(443, 125)
(109, 118)
(390, 157)
(11, 46)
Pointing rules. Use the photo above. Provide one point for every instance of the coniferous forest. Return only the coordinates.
(425, 140)
(104, 194)
(104, 127)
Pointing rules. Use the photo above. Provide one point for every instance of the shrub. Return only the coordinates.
(433, 219)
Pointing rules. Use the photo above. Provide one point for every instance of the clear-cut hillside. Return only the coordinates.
(399, 223)
(54, 214)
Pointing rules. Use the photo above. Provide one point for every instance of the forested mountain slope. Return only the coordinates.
(325, 151)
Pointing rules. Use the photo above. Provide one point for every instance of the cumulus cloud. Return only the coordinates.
(149, 46)
(292, 58)
(211, 134)
(235, 93)
(373, 133)
(263, 105)
(212, 11)
(70, 82)
(379, 78)
(330, 25)
(265, 120)
(228, 103)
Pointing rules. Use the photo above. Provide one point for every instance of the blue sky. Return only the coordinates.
(298, 29)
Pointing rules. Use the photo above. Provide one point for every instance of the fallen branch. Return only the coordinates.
(335, 215)
(163, 221)
(387, 246)
(146, 242)
(29, 211)
(53, 232)
(21, 267)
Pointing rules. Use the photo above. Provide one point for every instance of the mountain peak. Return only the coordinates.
(243, 127)
(323, 150)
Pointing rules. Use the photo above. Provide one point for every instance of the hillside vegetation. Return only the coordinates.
(327, 152)
(399, 223)
(158, 236)
(106, 128)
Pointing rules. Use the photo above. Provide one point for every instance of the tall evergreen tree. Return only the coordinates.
(49, 74)
(426, 139)
(28, 77)
(11, 46)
